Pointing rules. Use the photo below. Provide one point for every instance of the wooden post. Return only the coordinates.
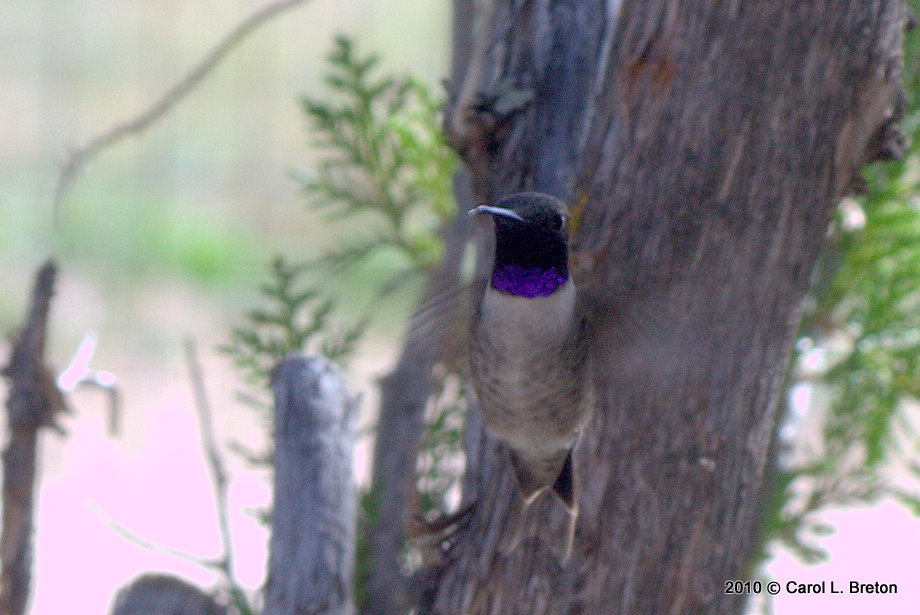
(311, 556)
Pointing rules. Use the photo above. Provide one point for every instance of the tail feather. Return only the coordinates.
(564, 489)
(530, 483)
(564, 485)
(536, 473)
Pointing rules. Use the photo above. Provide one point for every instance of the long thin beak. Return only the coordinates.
(495, 211)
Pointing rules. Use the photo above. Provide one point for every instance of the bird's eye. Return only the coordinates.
(559, 222)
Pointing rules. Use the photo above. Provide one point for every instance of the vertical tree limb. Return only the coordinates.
(32, 404)
(404, 396)
(311, 556)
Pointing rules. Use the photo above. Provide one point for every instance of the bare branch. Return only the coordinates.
(78, 374)
(78, 158)
(224, 563)
(218, 471)
(403, 398)
(209, 444)
(211, 564)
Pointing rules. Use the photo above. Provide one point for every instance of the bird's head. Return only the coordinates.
(531, 243)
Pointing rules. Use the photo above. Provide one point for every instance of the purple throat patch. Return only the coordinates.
(527, 282)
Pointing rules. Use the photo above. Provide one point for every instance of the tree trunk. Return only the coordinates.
(703, 147)
(404, 394)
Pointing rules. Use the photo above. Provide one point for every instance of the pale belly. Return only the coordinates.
(531, 393)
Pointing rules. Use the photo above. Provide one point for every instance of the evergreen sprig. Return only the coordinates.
(385, 161)
(295, 317)
(386, 172)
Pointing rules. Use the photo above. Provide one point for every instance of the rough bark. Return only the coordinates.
(311, 553)
(33, 402)
(703, 146)
(160, 594)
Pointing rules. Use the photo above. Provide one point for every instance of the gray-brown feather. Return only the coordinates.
(529, 368)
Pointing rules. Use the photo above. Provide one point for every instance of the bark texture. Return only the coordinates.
(311, 553)
(703, 146)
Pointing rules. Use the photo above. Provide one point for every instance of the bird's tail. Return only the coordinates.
(536, 473)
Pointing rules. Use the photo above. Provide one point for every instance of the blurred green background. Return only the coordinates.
(203, 196)
(166, 235)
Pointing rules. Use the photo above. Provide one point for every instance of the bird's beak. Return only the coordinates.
(495, 211)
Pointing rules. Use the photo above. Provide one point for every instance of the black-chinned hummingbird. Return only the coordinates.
(529, 347)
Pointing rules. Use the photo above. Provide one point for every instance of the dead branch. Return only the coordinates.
(79, 157)
(211, 564)
(79, 374)
(405, 391)
(33, 403)
(404, 394)
(224, 563)
(218, 471)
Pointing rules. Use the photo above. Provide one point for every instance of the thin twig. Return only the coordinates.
(216, 466)
(78, 158)
(213, 564)
(225, 563)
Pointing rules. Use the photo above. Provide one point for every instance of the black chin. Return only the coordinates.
(530, 247)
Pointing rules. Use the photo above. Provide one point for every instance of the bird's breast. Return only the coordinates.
(529, 380)
(527, 325)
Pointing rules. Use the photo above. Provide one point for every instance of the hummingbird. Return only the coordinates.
(529, 347)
